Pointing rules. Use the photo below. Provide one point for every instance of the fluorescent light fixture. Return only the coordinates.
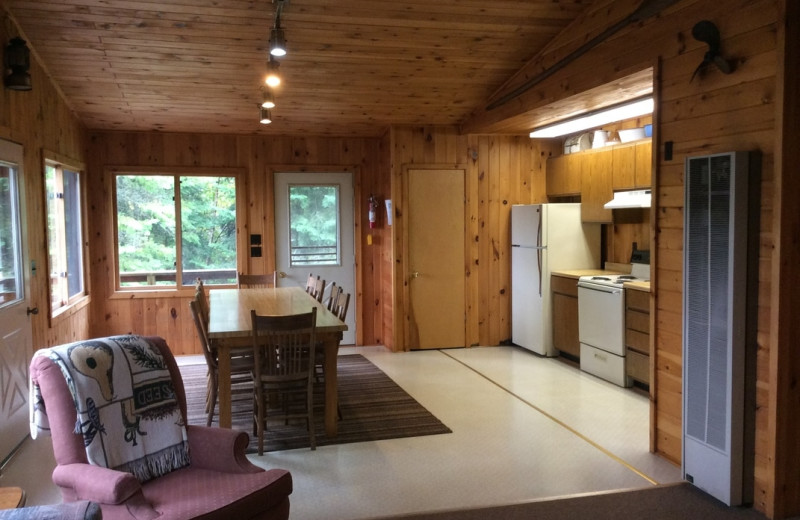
(596, 118)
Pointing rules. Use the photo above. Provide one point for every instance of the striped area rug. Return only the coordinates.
(373, 408)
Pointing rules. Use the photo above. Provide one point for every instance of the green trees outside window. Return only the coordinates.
(314, 225)
(161, 218)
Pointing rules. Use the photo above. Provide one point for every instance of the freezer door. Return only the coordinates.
(526, 225)
(526, 303)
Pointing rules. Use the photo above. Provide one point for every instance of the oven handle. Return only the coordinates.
(608, 290)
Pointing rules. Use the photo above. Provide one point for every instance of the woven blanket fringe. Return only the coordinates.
(159, 463)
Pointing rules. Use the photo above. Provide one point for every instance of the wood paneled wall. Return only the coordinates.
(168, 315)
(710, 113)
(500, 171)
(41, 120)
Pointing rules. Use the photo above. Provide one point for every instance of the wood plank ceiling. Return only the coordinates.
(353, 67)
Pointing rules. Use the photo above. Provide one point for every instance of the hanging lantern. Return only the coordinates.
(18, 64)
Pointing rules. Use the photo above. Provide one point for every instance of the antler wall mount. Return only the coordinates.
(707, 32)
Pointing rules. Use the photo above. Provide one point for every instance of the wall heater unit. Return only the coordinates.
(714, 323)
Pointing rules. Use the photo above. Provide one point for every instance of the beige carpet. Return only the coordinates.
(373, 408)
(667, 502)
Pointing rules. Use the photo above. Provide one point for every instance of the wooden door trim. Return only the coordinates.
(403, 267)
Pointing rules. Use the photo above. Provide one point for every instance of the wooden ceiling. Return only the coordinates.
(353, 67)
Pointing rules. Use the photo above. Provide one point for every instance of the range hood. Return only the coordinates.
(629, 199)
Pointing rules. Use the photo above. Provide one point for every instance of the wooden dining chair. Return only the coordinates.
(311, 283)
(283, 351)
(202, 300)
(340, 306)
(319, 290)
(241, 365)
(250, 281)
(334, 290)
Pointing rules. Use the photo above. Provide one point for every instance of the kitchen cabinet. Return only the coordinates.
(565, 315)
(643, 173)
(637, 334)
(632, 165)
(596, 186)
(563, 175)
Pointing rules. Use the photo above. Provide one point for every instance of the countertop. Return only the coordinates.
(577, 273)
(638, 286)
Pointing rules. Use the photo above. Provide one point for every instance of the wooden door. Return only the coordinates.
(15, 326)
(436, 306)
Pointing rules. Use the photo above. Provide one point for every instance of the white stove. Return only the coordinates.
(639, 273)
(601, 323)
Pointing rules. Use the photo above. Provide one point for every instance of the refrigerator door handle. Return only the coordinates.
(539, 252)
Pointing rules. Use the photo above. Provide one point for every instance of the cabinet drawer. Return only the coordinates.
(564, 285)
(638, 321)
(638, 341)
(639, 300)
(638, 366)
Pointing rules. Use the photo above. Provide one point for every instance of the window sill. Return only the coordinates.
(66, 312)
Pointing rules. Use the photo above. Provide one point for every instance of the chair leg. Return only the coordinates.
(211, 404)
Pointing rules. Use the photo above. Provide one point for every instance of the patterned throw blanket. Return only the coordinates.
(127, 410)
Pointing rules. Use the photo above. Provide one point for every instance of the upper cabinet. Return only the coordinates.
(596, 174)
(563, 175)
(596, 190)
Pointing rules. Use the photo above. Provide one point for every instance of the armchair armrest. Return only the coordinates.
(219, 449)
(103, 485)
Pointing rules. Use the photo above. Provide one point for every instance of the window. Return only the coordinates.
(10, 250)
(314, 225)
(65, 243)
(163, 218)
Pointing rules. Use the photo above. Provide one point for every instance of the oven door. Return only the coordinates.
(601, 317)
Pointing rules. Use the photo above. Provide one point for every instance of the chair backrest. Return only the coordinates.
(341, 304)
(258, 280)
(202, 333)
(283, 346)
(319, 290)
(311, 283)
(202, 300)
(334, 291)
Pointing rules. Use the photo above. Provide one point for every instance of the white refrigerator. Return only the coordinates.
(545, 238)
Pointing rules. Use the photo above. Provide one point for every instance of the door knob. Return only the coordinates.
(415, 274)
(281, 274)
(34, 310)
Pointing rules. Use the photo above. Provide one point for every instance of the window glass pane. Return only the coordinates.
(55, 238)
(10, 261)
(208, 229)
(74, 235)
(314, 225)
(146, 230)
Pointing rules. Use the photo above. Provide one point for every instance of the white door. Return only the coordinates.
(314, 233)
(15, 327)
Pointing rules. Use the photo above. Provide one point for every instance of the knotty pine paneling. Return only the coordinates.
(500, 171)
(710, 113)
(39, 120)
(167, 315)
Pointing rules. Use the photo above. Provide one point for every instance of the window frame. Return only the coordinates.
(74, 303)
(117, 291)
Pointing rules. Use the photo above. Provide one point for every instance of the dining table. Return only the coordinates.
(230, 329)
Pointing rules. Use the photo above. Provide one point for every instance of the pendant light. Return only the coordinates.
(267, 98)
(277, 38)
(265, 116)
(273, 78)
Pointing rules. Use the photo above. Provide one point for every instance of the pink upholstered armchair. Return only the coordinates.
(219, 482)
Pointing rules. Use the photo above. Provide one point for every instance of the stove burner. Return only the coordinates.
(626, 277)
(604, 278)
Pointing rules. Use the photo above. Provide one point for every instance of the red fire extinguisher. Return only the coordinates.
(373, 212)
